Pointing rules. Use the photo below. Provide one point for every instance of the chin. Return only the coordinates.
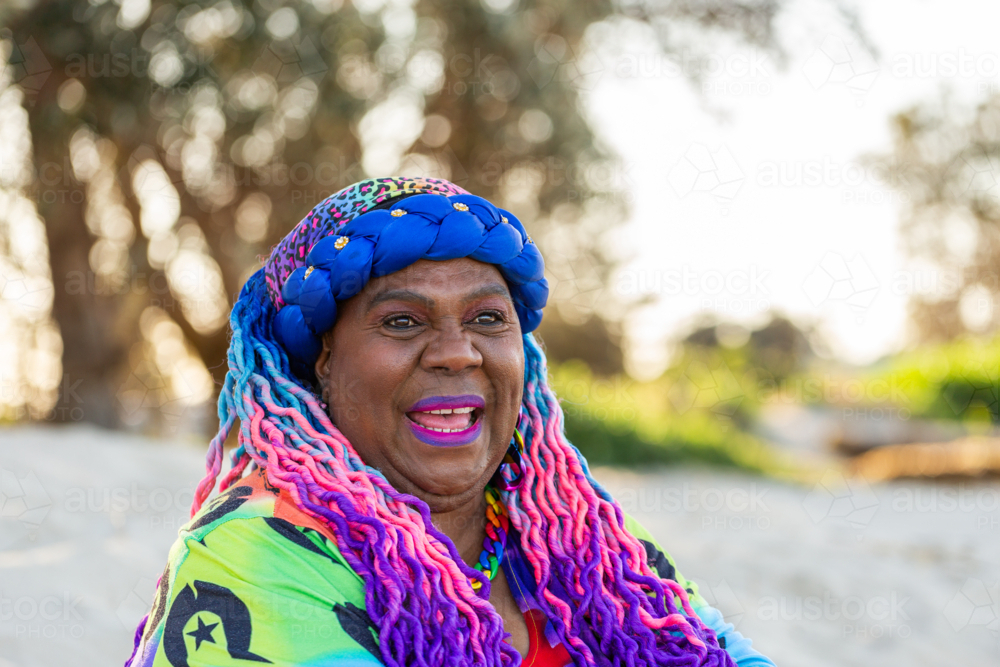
(450, 481)
(441, 471)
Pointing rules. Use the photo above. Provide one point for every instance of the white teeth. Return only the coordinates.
(449, 411)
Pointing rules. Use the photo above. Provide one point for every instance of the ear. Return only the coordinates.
(322, 364)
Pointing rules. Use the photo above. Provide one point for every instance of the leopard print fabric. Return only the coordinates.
(331, 214)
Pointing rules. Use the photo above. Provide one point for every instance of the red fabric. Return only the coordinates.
(540, 654)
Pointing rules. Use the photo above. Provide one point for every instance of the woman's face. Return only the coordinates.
(423, 373)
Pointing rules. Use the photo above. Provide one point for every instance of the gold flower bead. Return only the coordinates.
(308, 271)
(341, 242)
(459, 206)
(503, 218)
(398, 213)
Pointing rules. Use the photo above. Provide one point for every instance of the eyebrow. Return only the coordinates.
(493, 289)
(400, 295)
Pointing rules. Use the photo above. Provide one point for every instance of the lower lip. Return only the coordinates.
(439, 439)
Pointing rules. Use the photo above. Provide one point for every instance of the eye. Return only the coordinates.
(400, 321)
(488, 317)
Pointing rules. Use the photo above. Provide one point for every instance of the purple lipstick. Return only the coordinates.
(447, 421)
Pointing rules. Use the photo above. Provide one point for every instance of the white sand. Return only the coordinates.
(900, 574)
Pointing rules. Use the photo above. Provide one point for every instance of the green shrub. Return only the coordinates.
(618, 421)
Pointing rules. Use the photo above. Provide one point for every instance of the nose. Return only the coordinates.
(451, 350)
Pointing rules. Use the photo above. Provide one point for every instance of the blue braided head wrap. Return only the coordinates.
(429, 221)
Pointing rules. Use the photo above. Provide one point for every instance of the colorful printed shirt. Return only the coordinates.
(253, 579)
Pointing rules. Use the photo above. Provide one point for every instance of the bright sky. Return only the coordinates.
(768, 207)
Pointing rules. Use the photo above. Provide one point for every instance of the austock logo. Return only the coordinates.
(31, 292)
(556, 60)
(722, 597)
(26, 65)
(44, 617)
(842, 62)
(835, 497)
(24, 503)
(136, 604)
(974, 607)
(836, 279)
(146, 388)
(287, 62)
(977, 173)
(975, 604)
(712, 388)
(702, 170)
(861, 618)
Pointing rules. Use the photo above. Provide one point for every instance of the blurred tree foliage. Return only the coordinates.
(696, 412)
(699, 410)
(728, 370)
(952, 381)
(595, 342)
(778, 349)
(175, 141)
(946, 160)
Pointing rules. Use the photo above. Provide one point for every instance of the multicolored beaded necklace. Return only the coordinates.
(496, 537)
(497, 524)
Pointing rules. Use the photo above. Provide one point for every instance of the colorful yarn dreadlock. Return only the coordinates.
(594, 583)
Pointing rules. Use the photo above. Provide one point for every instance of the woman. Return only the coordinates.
(411, 497)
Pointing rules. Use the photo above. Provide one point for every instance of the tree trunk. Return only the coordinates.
(93, 350)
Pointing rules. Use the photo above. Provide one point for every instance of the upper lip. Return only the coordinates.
(447, 403)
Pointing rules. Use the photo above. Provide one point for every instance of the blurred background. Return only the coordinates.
(771, 229)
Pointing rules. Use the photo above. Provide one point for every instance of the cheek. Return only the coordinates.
(355, 385)
(508, 372)
(368, 376)
(361, 390)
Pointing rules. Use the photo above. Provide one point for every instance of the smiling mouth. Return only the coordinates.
(447, 421)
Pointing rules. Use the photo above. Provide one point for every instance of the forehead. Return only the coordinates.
(445, 278)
